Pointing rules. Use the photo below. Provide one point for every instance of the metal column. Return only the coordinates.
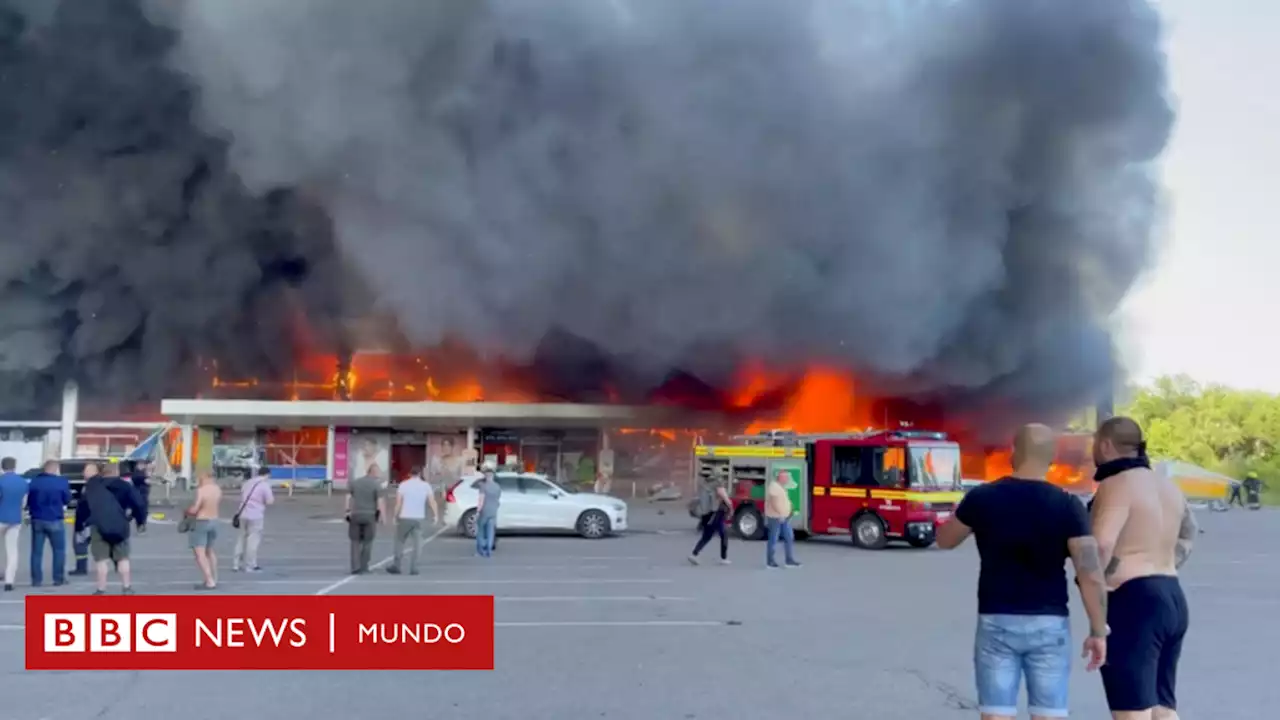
(70, 414)
(188, 439)
(328, 458)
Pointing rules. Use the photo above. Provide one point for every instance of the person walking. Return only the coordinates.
(106, 505)
(13, 497)
(1145, 530)
(1235, 498)
(713, 509)
(48, 498)
(255, 496)
(202, 529)
(364, 509)
(1026, 528)
(487, 512)
(777, 519)
(413, 496)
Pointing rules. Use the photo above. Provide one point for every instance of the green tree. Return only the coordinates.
(1216, 427)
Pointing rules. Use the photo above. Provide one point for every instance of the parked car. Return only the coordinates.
(533, 502)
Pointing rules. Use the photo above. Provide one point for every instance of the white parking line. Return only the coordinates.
(553, 581)
(593, 598)
(381, 563)
(544, 599)
(619, 623)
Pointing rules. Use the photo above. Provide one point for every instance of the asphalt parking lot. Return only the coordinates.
(624, 628)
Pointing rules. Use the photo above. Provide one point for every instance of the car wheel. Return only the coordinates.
(467, 525)
(593, 525)
(868, 532)
(748, 524)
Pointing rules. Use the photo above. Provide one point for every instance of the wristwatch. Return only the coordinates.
(1105, 633)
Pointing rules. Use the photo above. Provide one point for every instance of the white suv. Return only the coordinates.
(533, 502)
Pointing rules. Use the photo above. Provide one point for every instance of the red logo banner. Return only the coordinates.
(259, 632)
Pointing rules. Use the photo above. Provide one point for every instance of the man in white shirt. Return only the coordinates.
(413, 496)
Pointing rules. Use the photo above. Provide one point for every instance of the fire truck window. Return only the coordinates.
(893, 465)
(935, 467)
(845, 466)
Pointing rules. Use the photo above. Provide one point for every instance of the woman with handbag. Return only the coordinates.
(255, 496)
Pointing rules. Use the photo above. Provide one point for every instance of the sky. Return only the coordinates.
(1209, 306)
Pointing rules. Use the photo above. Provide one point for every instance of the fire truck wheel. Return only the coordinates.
(868, 532)
(593, 524)
(748, 524)
(467, 525)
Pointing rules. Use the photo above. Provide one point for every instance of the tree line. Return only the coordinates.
(1218, 428)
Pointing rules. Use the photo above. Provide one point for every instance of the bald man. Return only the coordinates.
(1026, 529)
(1145, 530)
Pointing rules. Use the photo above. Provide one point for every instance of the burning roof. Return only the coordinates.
(640, 199)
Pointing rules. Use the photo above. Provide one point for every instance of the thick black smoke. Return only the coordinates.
(129, 250)
(951, 197)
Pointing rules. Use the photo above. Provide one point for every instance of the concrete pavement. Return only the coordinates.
(623, 628)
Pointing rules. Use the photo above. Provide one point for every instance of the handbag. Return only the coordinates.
(235, 519)
(186, 524)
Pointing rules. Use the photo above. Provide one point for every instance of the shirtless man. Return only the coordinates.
(1144, 530)
(204, 530)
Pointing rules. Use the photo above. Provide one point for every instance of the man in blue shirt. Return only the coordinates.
(13, 493)
(47, 499)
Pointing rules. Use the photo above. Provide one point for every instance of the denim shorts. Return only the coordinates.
(1010, 647)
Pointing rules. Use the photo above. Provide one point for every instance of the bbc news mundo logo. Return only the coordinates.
(259, 632)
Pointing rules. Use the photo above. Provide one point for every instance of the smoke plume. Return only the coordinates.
(948, 197)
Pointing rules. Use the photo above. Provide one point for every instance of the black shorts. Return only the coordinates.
(1148, 618)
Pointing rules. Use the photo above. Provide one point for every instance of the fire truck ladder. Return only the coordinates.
(782, 438)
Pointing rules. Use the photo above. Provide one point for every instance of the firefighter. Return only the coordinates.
(1253, 491)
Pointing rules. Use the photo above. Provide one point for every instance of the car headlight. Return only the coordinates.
(620, 508)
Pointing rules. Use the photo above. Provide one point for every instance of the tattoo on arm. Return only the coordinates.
(1186, 535)
(1112, 566)
(1189, 527)
(1088, 562)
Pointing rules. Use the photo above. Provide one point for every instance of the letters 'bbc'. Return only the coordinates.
(110, 632)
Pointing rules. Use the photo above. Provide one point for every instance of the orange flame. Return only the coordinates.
(825, 401)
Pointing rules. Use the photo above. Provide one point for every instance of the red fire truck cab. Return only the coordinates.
(876, 487)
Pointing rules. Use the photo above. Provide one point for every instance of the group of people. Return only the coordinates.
(1126, 547)
(108, 509)
(714, 509)
(1250, 488)
(366, 508)
(101, 527)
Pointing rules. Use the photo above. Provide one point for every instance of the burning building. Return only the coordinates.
(564, 209)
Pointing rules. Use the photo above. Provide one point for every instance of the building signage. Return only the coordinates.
(341, 449)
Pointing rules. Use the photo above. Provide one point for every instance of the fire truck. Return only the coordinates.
(876, 487)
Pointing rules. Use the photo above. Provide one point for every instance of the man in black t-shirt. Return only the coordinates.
(1026, 529)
